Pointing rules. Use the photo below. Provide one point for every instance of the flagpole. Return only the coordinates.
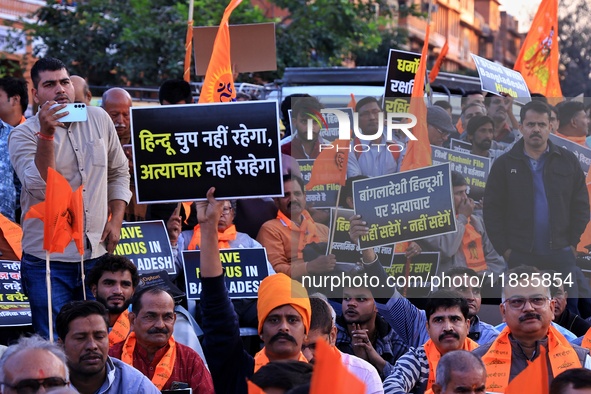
(188, 44)
(83, 277)
(49, 303)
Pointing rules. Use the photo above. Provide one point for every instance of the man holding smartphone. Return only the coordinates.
(85, 153)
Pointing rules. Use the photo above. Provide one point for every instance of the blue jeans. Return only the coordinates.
(66, 286)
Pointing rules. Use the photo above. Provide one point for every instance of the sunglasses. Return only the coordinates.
(32, 386)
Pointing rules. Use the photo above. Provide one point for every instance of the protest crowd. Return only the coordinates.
(308, 264)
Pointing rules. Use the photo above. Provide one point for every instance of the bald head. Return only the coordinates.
(116, 102)
(82, 93)
(460, 371)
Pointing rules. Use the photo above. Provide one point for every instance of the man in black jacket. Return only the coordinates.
(536, 204)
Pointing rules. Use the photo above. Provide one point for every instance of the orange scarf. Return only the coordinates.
(498, 358)
(472, 248)
(120, 329)
(229, 234)
(578, 140)
(307, 229)
(433, 357)
(261, 359)
(163, 370)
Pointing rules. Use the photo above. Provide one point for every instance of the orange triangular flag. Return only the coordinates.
(218, 84)
(330, 165)
(539, 56)
(187, 209)
(352, 103)
(418, 153)
(330, 375)
(437, 66)
(533, 379)
(13, 233)
(583, 245)
(188, 50)
(61, 213)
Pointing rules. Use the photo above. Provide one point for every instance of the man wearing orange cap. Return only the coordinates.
(283, 309)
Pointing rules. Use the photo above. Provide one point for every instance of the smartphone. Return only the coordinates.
(77, 112)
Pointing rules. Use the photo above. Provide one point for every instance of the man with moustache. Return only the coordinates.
(378, 159)
(116, 102)
(82, 330)
(574, 122)
(498, 107)
(537, 205)
(448, 326)
(480, 133)
(152, 350)
(283, 308)
(286, 236)
(86, 154)
(363, 332)
(112, 282)
(528, 311)
(439, 125)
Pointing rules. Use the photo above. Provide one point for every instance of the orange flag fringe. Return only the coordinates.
(331, 165)
(62, 214)
(330, 375)
(418, 153)
(218, 85)
(538, 58)
(534, 378)
(437, 66)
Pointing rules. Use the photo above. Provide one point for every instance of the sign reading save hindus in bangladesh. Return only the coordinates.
(180, 151)
(474, 168)
(14, 305)
(400, 79)
(147, 245)
(244, 269)
(405, 206)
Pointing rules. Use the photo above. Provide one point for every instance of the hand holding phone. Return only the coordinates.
(77, 112)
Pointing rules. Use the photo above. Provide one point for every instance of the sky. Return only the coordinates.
(523, 10)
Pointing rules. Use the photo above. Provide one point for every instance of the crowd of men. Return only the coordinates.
(114, 334)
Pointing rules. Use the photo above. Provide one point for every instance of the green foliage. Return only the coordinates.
(326, 32)
(125, 42)
(575, 53)
(141, 42)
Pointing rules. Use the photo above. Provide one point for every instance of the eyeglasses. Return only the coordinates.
(32, 386)
(443, 133)
(226, 210)
(519, 302)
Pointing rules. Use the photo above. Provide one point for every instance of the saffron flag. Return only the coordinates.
(538, 58)
(330, 165)
(13, 233)
(534, 378)
(584, 245)
(352, 102)
(254, 389)
(418, 153)
(218, 84)
(188, 50)
(330, 375)
(437, 66)
(61, 213)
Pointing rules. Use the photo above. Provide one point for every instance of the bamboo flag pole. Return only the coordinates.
(189, 44)
(49, 303)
